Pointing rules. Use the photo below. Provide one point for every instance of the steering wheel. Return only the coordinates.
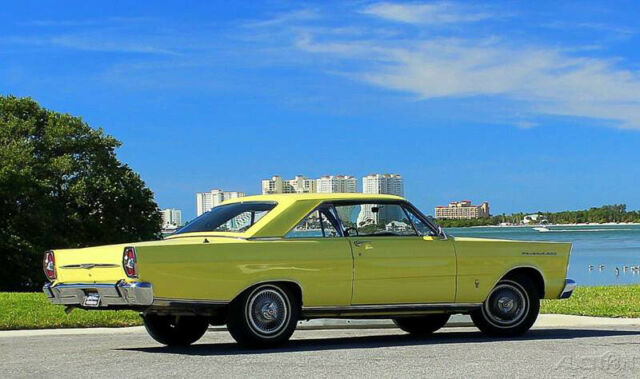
(346, 230)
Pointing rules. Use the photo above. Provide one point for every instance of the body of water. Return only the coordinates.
(613, 246)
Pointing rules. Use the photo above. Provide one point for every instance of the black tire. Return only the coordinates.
(264, 316)
(175, 330)
(423, 325)
(511, 308)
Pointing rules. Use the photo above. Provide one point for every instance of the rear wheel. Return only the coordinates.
(511, 308)
(175, 330)
(423, 325)
(265, 316)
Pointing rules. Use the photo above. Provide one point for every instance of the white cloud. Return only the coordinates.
(431, 13)
(544, 80)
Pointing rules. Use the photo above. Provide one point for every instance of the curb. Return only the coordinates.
(544, 321)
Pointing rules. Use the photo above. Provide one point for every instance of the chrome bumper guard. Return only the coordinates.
(121, 293)
(569, 286)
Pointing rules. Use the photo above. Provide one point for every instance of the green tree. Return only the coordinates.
(61, 186)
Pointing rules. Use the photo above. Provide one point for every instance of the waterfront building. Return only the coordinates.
(534, 219)
(207, 200)
(337, 184)
(171, 218)
(299, 184)
(392, 184)
(462, 210)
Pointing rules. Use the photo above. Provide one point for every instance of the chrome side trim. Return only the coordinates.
(119, 294)
(89, 265)
(388, 309)
(170, 302)
(178, 236)
(569, 286)
(266, 238)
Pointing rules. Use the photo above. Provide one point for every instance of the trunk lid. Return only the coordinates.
(100, 264)
(103, 264)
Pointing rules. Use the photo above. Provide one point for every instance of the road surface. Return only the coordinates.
(453, 352)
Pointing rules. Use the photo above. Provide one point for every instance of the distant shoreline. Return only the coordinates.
(550, 225)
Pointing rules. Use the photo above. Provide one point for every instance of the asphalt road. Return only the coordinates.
(452, 352)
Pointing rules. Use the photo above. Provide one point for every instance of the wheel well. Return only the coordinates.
(530, 273)
(292, 286)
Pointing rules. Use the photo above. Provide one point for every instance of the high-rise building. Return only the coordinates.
(337, 184)
(463, 210)
(392, 184)
(171, 218)
(299, 184)
(207, 200)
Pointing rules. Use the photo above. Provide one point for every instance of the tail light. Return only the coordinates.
(49, 265)
(129, 262)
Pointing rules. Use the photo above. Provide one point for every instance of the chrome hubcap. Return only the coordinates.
(267, 312)
(506, 304)
(270, 311)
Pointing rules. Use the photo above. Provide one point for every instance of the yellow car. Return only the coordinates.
(260, 263)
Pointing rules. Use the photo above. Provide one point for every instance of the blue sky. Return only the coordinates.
(528, 106)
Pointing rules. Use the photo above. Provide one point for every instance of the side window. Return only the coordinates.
(422, 228)
(371, 219)
(315, 225)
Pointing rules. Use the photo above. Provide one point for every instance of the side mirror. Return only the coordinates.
(441, 233)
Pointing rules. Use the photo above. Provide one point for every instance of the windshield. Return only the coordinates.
(236, 217)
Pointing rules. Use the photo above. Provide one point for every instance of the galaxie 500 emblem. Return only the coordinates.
(539, 253)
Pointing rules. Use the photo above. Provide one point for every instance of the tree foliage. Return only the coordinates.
(61, 186)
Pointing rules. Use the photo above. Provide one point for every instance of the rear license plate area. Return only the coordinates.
(91, 300)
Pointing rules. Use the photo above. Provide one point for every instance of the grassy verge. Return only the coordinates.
(33, 311)
(609, 301)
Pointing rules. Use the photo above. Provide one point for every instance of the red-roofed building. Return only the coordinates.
(463, 210)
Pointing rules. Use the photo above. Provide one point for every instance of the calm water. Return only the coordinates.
(609, 245)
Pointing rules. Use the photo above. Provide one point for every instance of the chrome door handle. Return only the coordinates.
(359, 243)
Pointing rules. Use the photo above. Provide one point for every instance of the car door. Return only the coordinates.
(321, 259)
(396, 261)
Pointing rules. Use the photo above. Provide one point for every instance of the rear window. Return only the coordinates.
(236, 217)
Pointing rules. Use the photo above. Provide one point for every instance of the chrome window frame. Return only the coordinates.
(323, 206)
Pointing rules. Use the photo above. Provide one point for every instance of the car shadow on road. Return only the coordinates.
(378, 341)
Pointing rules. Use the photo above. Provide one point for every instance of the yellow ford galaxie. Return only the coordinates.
(260, 263)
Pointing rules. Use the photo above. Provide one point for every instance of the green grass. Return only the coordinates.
(34, 311)
(610, 301)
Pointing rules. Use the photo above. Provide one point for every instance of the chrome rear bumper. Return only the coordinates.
(569, 286)
(119, 294)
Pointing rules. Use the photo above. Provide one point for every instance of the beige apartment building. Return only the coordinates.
(392, 184)
(299, 184)
(207, 200)
(463, 210)
(337, 184)
(171, 218)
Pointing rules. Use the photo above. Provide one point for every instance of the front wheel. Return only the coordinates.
(422, 326)
(511, 308)
(175, 330)
(265, 316)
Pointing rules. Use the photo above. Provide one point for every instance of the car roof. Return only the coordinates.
(290, 197)
(290, 209)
